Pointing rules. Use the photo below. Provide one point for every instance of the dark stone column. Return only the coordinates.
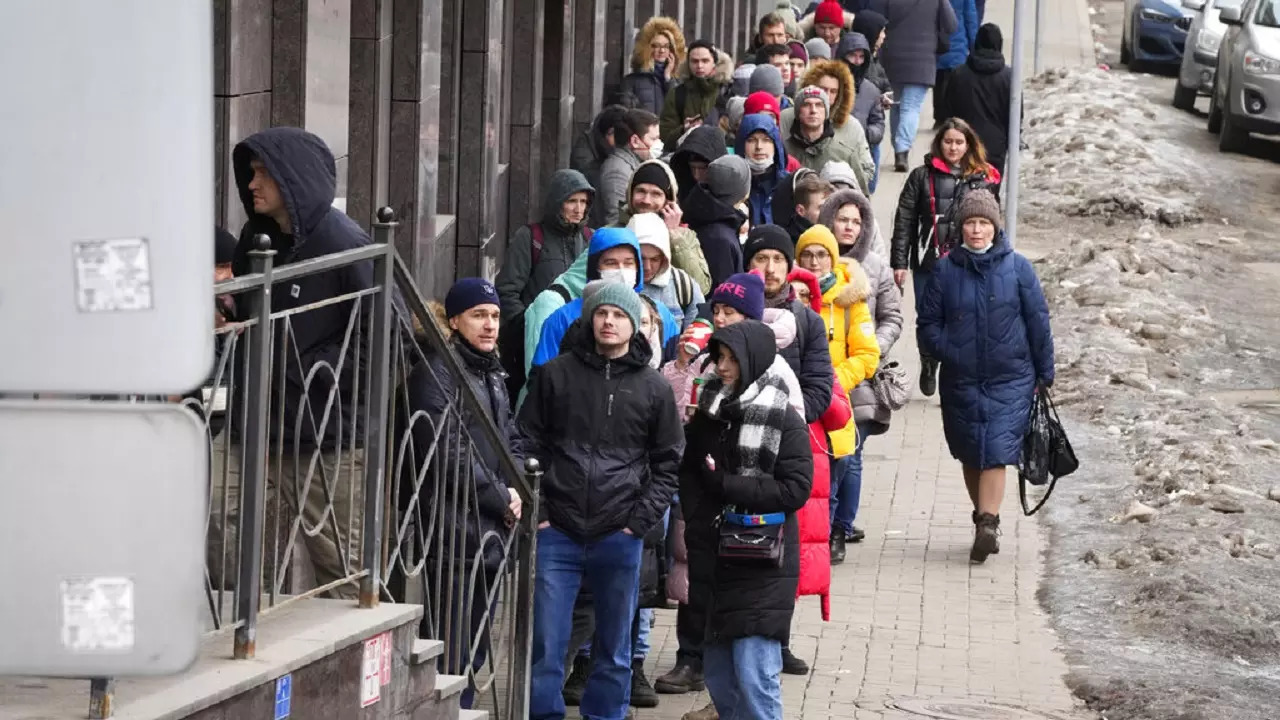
(311, 72)
(414, 131)
(646, 9)
(479, 113)
(588, 61)
(620, 33)
(242, 92)
(747, 25)
(525, 140)
(707, 20)
(675, 9)
(369, 138)
(558, 97)
(691, 19)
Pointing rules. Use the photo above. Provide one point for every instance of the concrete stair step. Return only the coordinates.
(473, 715)
(448, 686)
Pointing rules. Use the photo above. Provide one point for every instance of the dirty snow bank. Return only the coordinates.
(1097, 147)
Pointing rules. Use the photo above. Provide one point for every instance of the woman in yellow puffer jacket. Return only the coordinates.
(855, 354)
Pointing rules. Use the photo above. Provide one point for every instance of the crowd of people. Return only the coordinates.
(694, 337)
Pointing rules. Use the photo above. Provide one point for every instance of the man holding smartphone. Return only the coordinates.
(706, 77)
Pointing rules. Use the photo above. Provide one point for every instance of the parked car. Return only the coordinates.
(1200, 54)
(1246, 88)
(1154, 33)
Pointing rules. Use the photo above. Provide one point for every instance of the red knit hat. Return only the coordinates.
(799, 274)
(829, 12)
(758, 102)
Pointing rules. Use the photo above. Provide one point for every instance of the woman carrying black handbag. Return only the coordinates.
(747, 469)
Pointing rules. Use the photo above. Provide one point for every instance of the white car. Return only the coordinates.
(1200, 56)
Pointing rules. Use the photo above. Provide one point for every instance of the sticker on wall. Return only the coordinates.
(385, 676)
(284, 696)
(112, 275)
(371, 672)
(97, 614)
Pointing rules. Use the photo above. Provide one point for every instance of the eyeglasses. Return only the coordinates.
(659, 46)
(815, 255)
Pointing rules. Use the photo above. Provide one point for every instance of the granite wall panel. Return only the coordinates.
(241, 46)
(239, 117)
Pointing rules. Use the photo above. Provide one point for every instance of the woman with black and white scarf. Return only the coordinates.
(747, 452)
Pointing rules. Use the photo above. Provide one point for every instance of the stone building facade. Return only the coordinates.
(453, 112)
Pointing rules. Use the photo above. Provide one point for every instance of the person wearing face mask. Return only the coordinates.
(654, 189)
(760, 142)
(712, 214)
(615, 256)
(924, 229)
(635, 140)
(705, 76)
(984, 316)
(659, 51)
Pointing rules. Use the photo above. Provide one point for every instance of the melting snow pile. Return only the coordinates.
(1097, 147)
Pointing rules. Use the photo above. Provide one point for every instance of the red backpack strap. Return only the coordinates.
(586, 234)
(535, 230)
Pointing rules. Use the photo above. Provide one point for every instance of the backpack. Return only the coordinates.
(535, 250)
(684, 287)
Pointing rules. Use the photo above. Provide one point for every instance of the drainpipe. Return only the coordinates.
(1015, 126)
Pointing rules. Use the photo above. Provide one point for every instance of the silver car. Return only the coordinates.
(1246, 89)
(1200, 56)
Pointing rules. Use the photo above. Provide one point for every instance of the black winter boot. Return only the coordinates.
(986, 537)
(577, 681)
(837, 546)
(900, 162)
(642, 693)
(792, 665)
(928, 376)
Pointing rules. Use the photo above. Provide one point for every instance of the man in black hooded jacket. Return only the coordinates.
(287, 178)
(979, 93)
(605, 426)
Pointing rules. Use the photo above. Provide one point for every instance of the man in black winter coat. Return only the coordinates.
(480, 486)
(690, 163)
(286, 178)
(711, 212)
(979, 93)
(605, 427)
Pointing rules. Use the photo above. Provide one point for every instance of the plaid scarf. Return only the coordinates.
(759, 411)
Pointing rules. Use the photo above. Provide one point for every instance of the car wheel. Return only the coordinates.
(1232, 138)
(1184, 98)
(1215, 112)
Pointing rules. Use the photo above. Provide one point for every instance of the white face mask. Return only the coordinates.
(758, 167)
(655, 150)
(626, 276)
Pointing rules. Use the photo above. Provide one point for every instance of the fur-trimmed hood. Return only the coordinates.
(723, 74)
(827, 216)
(856, 286)
(642, 56)
(841, 111)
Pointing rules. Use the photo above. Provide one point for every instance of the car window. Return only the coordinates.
(1268, 14)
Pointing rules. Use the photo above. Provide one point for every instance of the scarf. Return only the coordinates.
(827, 281)
(759, 412)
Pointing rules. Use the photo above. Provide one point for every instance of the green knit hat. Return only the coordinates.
(619, 296)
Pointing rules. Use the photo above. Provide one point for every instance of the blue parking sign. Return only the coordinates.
(284, 696)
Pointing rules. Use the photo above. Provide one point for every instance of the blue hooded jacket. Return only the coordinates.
(963, 38)
(985, 318)
(762, 186)
(558, 322)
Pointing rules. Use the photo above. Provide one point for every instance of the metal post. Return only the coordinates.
(375, 456)
(526, 583)
(102, 693)
(253, 481)
(1012, 163)
(1038, 66)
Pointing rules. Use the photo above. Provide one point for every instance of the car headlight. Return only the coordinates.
(1208, 42)
(1155, 15)
(1256, 64)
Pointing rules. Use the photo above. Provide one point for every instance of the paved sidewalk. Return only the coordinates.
(912, 620)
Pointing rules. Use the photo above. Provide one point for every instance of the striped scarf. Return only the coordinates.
(759, 411)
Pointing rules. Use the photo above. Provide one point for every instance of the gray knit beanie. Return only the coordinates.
(619, 296)
(766, 78)
(818, 49)
(979, 203)
(729, 179)
(840, 173)
(742, 80)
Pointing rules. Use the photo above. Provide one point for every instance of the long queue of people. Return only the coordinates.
(694, 341)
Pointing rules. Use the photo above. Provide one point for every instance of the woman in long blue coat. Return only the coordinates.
(986, 319)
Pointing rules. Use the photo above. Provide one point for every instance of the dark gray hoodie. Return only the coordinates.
(520, 279)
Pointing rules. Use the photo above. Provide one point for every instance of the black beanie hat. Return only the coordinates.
(224, 246)
(989, 38)
(652, 173)
(769, 237)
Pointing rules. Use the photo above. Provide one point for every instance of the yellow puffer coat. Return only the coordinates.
(851, 332)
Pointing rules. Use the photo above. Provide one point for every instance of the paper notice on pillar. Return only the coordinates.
(385, 676)
(97, 614)
(371, 672)
(112, 275)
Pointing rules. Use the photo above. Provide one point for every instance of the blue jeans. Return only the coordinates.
(904, 118)
(611, 567)
(875, 176)
(743, 678)
(644, 616)
(846, 485)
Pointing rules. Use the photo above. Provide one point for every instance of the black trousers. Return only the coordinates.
(941, 110)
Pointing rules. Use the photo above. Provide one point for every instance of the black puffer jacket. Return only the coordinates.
(303, 167)
(437, 437)
(927, 197)
(978, 93)
(743, 600)
(609, 439)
